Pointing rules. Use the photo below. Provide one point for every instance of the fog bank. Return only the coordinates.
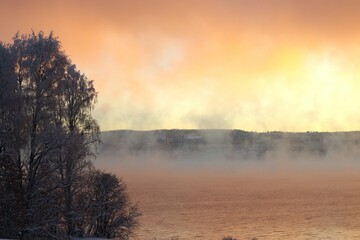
(187, 152)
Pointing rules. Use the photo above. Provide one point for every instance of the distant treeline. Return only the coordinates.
(246, 144)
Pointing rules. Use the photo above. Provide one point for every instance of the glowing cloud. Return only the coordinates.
(289, 65)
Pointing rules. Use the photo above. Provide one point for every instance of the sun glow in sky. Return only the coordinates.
(261, 65)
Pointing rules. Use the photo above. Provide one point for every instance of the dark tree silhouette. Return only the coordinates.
(111, 213)
(47, 136)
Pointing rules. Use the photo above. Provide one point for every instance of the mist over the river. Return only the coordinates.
(206, 184)
(201, 151)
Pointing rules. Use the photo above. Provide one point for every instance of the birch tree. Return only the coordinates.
(47, 136)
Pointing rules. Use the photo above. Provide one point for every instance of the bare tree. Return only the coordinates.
(11, 202)
(40, 65)
(47, 136)
(77, 96)
(111, 213)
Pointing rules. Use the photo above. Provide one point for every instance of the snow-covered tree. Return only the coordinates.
(111, 214)
(77, 96)
(11, 200)
(40, 65)
(48, 185)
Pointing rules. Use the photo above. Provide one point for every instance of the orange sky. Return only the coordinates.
(291, 65)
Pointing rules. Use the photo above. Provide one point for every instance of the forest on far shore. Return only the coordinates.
(237, 144)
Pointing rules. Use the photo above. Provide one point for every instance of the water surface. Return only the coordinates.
(192, 197)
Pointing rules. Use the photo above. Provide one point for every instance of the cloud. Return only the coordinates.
(255, 65)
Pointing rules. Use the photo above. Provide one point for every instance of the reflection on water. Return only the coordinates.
(200, 202)
(326, 207)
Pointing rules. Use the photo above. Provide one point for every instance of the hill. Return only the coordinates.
(235, 144)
